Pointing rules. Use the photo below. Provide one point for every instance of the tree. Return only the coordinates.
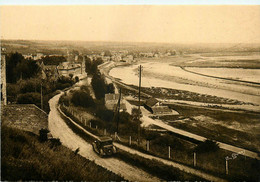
(110, 88)
(17, 67)
(81, 98)
(99, 86)
(71, 75)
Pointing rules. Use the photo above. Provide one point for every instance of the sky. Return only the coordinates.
(133, 23)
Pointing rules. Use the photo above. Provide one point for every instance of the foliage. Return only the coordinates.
(82, 98)
(207, 146)
(29, 98)
(43, 135)
(91, 66)
(17, 67)
(110, 88)
(53, 60)
(76, 79)
(30, 85)
(99, 86)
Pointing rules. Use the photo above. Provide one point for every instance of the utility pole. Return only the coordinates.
(118, 110)
(41, 97)
(139, 103)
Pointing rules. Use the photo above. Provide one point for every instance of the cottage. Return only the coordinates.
(155, 107)
(67, 68)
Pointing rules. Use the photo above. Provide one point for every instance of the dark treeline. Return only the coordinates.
(53, 60)
(19, 68)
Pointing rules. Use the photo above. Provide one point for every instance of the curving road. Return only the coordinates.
(60, 130)
(115, 165)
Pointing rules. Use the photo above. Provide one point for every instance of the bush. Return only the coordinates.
(207, 146)
(29, 98)
(81, 98)
(77, 79)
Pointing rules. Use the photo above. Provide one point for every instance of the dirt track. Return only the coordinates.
(69, 139)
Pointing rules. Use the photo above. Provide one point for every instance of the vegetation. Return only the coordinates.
(82, 98)
(23, 155)
(207, 146)
(91, 66)
(19, 68)
(53, 60)
(25, 82)
(100, 87)
(157, 168)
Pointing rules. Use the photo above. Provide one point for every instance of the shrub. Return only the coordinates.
(207, 146)
(81, 98)
(29, 98)
(77, 79)
(43, 135)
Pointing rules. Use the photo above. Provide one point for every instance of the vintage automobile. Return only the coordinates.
(103, 146)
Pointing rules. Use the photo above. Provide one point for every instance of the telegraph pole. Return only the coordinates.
(41, 97)
(139, 103)
(118, 110)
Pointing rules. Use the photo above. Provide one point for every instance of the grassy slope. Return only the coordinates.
(25, 158)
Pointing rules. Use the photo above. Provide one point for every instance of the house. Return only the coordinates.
(67, 68)
(155, 107)
(111, 101)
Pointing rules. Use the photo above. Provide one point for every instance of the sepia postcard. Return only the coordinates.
(130, 92)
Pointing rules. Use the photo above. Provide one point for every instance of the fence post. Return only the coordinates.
(147, 145)
(169, 152)
(130, 140)
(226, 167)
(115, 134)
(105, 131)
(85, 122)
(90, 124)
(96, 126)
(194, 159)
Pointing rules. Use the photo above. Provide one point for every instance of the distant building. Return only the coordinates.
(111, 101)
(67, 68)
(155, 107)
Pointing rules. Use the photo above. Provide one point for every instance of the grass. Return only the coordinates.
(25, 158)
(156, 168)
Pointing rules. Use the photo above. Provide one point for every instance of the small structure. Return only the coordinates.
(111, 101)
(155, 107)
(67, 68)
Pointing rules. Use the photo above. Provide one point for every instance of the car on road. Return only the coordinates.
(103, 146)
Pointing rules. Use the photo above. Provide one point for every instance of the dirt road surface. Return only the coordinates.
(60, 130)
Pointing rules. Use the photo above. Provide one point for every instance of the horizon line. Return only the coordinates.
(117, 41)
